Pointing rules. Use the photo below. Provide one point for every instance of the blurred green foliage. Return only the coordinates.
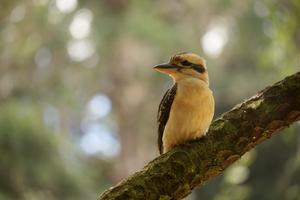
(32, 166)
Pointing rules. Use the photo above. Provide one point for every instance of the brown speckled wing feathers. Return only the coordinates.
(163, 114)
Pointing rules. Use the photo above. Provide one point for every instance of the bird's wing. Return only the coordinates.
(163, 113)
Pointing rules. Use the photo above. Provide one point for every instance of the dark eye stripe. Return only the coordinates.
(186, 63)
(198, 68)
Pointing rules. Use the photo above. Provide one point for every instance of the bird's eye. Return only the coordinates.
(186, 63)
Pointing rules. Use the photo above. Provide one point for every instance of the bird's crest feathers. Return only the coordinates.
(190, 57)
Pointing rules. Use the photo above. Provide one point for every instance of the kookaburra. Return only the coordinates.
(187, 109)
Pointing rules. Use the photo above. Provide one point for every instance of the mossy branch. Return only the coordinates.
(174, 174)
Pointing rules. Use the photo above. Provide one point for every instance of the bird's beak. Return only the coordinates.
(166, 68)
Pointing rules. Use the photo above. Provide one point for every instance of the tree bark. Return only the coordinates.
(173, 175)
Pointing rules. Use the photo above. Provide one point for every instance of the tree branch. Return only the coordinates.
(174, 174)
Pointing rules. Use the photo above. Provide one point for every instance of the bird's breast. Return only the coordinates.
(191, 112)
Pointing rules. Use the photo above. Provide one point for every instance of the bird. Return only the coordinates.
(187, 108)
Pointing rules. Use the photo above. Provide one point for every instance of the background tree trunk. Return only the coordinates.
(174, 174)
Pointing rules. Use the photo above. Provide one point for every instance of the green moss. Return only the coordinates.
(269, 107)
(255, 103)
(229, 127)
(164, 197)
(182, 190)
(291, 84)
(213, 171)
(242, 142)
(217, 125)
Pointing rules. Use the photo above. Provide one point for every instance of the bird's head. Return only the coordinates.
(185, 65)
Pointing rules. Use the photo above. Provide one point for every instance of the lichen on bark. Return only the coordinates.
(173, 175)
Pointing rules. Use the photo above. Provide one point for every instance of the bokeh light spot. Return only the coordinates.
(215, 39)
(237, 174)
(99, 106)
(80, 50)
(66, 6)
(81, 24)
(100, 140)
